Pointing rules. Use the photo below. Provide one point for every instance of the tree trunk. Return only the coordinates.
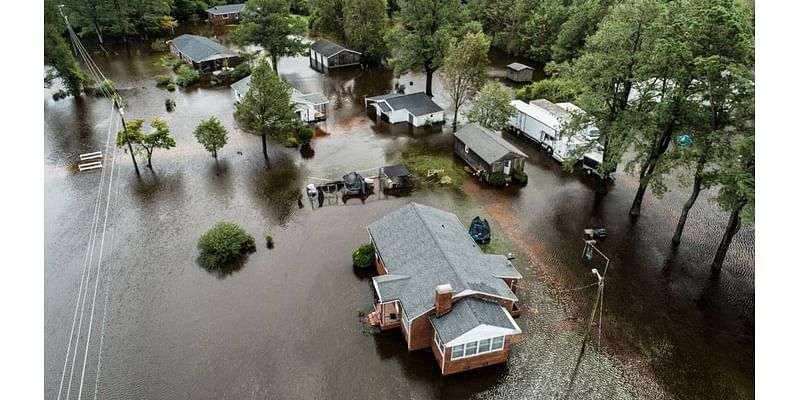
(214, 153)
(636, 207)
(264, 147)
(274, 63)
(734, 223)
(698, 185)
(455, 119)
(99, 34)
(428, 79)
(150, 159)
(605, 177)
(133, 157)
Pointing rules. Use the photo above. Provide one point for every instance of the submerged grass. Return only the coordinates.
(420, 158)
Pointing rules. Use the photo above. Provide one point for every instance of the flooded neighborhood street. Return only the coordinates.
(287, 325)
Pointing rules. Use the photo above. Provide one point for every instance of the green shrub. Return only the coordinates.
(162, 80)
(159, 45)
(59, 95)
(240, 71)
(108, 86)
(223, 243)
(557, 90)
(170, 61)
(169, 104)
(291, 141)
(304, 135)
(496, 179)
(270, 242)
(186, 75)
(520, 176)
(364, 256)
(171, 87)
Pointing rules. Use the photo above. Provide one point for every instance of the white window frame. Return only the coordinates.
(492, 342)
(406, 321)
(466, 149)
(438, 342)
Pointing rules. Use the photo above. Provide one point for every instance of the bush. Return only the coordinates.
(270, 242)
(108, 86)
(291, 142)
(364, 256)
(171, 87)
(496, 179)
(520, 176)
(304, 135)
(163, 80)
(169, 104)
(240, 71)
(159, 45)
(557, 90)
(186, 75)
(223, 243)
(59, 95)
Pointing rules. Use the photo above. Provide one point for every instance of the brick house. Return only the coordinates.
(227, 14)
(441, 290)
(202, 53)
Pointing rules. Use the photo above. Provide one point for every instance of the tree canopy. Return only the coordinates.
(492, 108)
(422, 35)
(266, 109)
(212, 135)
(269, 24)
(159, 138)
(464, 69)
(57, 53)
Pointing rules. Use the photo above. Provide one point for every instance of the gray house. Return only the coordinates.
(324, 55)
(519, 72)
(486, 151)
(202, 53)
(418, 109)
(441, 290)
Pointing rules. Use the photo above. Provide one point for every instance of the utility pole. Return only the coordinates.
(594, 309)
(589, 245)
(125, 130)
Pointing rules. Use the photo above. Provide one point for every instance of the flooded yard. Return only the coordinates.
(286, 324)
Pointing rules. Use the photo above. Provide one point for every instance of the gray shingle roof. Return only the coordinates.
(490, 146)
(431, 247)
(469, 313)
(201, 48)
(226, 9)
(328, 48)
(416, 103)
(518, 66)
(242, 85)
(383, 96)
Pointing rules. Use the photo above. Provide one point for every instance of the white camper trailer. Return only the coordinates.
(543, 122)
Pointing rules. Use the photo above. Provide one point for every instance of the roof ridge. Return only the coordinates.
(439, 245)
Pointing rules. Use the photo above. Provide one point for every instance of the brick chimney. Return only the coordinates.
(444, 299)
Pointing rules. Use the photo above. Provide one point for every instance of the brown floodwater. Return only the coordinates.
(285, 323)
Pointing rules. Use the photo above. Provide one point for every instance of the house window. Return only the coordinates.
(497, 342)
(471, 349)
(466, 149)
(439, 343)
(224, 16)
(406, 322)
(458, 352)
(478, 347)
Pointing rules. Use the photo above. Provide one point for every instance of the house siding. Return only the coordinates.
(526, 75)
(423, 119)
(468, 363)
(233, 18)
(421, 334)
(470, 158)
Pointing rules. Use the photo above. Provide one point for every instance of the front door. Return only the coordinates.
(507, 167)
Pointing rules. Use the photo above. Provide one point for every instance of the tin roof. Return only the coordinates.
(490, 146)
(201, 48)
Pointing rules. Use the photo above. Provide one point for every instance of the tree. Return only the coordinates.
(583, 16)
(364, 23)
(57, 53)
(721, 93)
(144, 142)
(464, 69)
(492, 108)
(422, 35)
(737, 194)
(212, 135)
(327, 16)
(607, 72)
(92, 15)
(266, 109)
(268, 23)
(557, 90)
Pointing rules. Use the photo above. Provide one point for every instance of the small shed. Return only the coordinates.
(202, 53)
(418, 109)
(519, 72)
(324, 55)
(486, 151)
(396, 177)
(226, 14)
